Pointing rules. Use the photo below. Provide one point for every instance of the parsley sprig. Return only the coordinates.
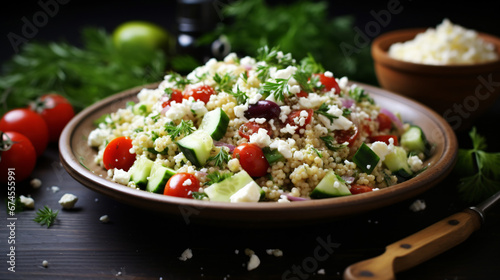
(221, 158)
(46, 216)
(241, 96)
(277, 89)
(323, 110)
(183, 128)
(481, 175)
(216, 177)
(330, 143)
(224, 83)
(178, 80)
(359, 95)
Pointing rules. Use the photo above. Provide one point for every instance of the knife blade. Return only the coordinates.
(423, 245)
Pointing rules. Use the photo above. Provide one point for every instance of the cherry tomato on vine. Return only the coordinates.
(56, 111)
(202, 93)
(29, 124)
(356, 189)
(329, 82)
(252, 159)
(175, 95)
(117, 154)
(182, 185)
(249, 128)
(18, 156)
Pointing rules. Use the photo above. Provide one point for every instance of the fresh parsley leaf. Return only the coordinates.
(323, 110)
(224, 83)
(330, 143)
(216, 177)
(277, 89)
(183, 128)
(317, 152)
(178, 80)
(359, 95)
(46, 216)
(221, 158)
(309, 65)
(303, 79)
(241, 96)
(478, 169)
(199, 195)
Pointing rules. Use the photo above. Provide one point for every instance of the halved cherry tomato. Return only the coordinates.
(356, 189)
(302, 94)
(294, 118)
(385, 139)
(176, 96)
(182, 185)
(252, 159)
(29, 124)
(18, 157)
(202, 93)
(348, 135)
(384, 122)
(250, 128)
(56, 111)
(329, 83)
(117, 154)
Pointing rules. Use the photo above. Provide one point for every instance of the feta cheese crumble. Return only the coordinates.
(68, 200)
(186, 255)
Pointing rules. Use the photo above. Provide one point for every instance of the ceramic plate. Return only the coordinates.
(78, 159)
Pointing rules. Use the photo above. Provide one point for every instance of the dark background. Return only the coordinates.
(76, 14)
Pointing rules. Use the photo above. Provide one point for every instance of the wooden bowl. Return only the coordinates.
(459, 93)
(78, 159)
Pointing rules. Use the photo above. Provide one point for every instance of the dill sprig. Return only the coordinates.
(221, 158)
(46, 216)
(183, 128)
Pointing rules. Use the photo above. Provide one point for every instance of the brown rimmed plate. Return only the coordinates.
(78, 159)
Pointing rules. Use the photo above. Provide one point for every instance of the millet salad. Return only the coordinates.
(264, 129)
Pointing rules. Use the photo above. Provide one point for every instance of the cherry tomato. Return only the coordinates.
(202, 93)
(302, 94)
(182, 185)
(117, 154)
(329, 83)
(356, 189)
(384, 122)
(18, 157)
(348, 135)
(385, 139)
(252, 159)
(295, 116)
(56, 111)
(250, 128)
(29, 124)
(175, 96)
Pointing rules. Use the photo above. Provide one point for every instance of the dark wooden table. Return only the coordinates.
(138, 244)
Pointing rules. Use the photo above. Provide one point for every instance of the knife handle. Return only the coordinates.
(417, 248)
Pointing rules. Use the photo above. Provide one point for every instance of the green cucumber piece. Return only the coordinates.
(196, 147)
(140, 171)
(272, 155)
(158, 178)
(330, 186)
(397, 162)
(222, 191)
(215, 123)
(415, 141)
(366, 159)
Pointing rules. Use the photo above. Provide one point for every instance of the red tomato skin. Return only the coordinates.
(252, 159)
(249, 128)
(329, 83)
(117, 154)
(202, 93)
(385, 139)
(302, 94)
(349, 135)
(384, 122)
(29, 124)
(56, 111)
(357, 189)
(296, 113)
(174, 186)
(21, 157)
(176, 96)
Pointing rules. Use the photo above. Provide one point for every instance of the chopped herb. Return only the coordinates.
(323, 110)
(221, 158)
(178, 80)
(241, 96)
(139, 129)
(330, 143)
(317, 152)
(244, 76)
(224, 83)
(346, 112)
(277, 89)
(273, 58)
(101, 119)
(169, 92)
(130, 104)
(156, 117)
(183, 128)
(153, 151)
(199, 195)
(340, 179)
(216, 177)
(303, 79)
(154, 135)
(359, 95)
(46, 216)
(309, 65)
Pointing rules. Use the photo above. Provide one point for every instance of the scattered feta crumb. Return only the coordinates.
(186, 255)
(45, 263)
(104, 219)
(68, 200)
(55, 189)
(321, 271)
(236, 251)
(417, 205)
(36, 183)
(253, 263)
(274, 252)
(28, 202)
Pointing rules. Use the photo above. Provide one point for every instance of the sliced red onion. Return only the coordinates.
(222, 144)
(347, 102)
(294, 198)
(395, 120)
(164, 110)
(348, 179)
